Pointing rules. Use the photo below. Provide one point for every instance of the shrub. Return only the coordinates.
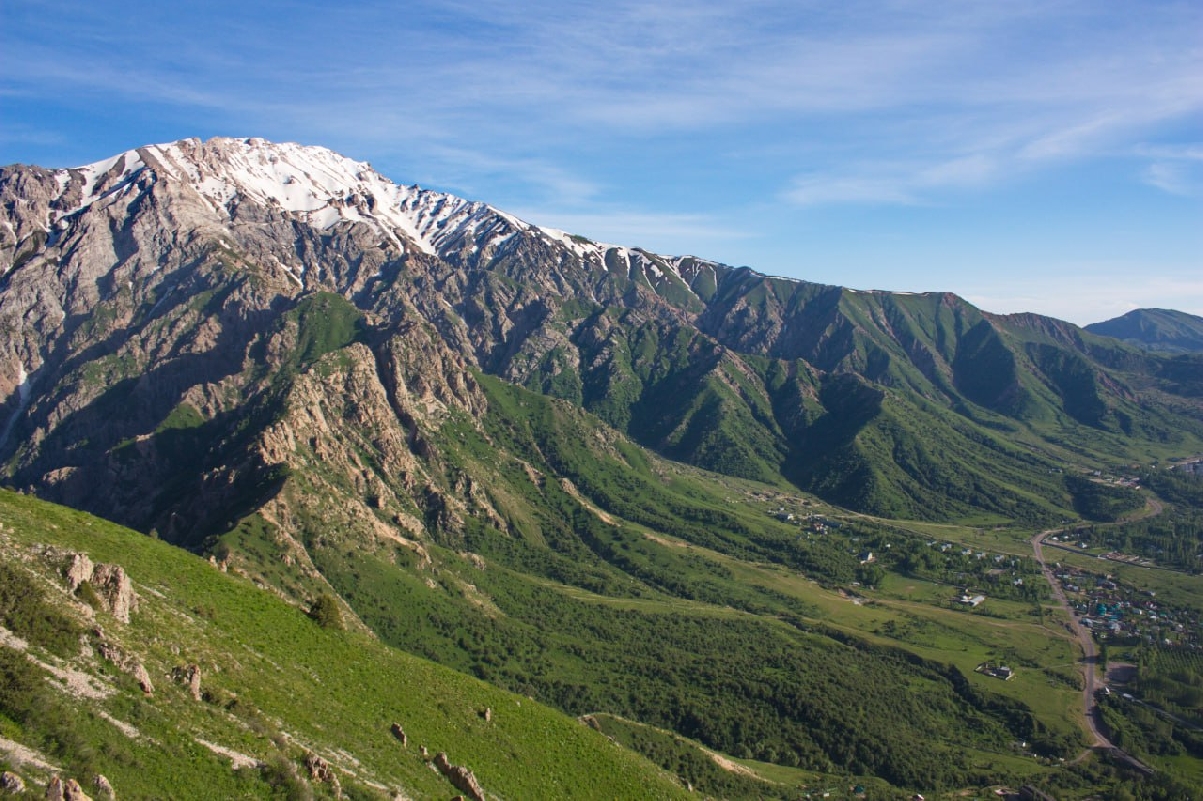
(326, 612)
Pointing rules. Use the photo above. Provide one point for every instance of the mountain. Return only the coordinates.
(1162, 330)
(153, 281)
(613, 481)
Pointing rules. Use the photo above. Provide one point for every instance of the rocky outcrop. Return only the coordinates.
(128, 664)
(321, 772)
(111, 584)
(69, 790)
(399, 733)
(115, 590)
(79, 569)
(460, 777)
(189, 675)
(11, 783)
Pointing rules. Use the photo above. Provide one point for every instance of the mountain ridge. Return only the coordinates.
(1162, 330)
(581, 320)
(509, 454)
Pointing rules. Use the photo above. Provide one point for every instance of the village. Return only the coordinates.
(1122, 615)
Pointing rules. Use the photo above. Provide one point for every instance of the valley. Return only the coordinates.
(713, 532)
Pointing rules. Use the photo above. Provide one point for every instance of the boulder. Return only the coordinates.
(11, 783)
(143, 678)
(103, 786)
(113, 587)
(73, 792)
(128, 664)
(399, 733)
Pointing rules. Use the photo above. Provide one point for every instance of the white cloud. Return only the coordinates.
(1177, 171)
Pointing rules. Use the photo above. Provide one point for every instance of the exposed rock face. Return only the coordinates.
(112, 585)
(79, 569)
(73, 792)
(143, 678)
(116, 590)
(399, 733)
(69, 790)
(460, 777)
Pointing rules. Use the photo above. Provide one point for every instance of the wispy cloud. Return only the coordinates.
(1178, 171)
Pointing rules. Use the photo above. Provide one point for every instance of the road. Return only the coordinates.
(1089, 661)
(1085, 639)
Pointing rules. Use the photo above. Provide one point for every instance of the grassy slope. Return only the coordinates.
(275, 672)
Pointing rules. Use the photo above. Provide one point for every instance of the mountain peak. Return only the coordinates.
(1155, 329)
(313, 184)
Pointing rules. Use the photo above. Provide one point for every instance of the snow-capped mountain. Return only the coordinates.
(323, 190)
(186, 276)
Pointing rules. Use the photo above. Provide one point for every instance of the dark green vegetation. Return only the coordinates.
(1173, 538)
(24, 611)
(1159, 714)
(1156, 330)
(1102, 501)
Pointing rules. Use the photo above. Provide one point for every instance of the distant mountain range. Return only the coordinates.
(470, 428)
(1162, 330)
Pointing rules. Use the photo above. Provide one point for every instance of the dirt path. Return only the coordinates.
(1084, 638)
(1089, 660)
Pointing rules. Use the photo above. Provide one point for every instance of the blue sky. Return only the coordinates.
(1030, 156)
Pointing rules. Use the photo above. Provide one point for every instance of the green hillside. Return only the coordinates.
(276, 686)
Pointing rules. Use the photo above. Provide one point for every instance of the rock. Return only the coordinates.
(460, 777)
(11, 783)
(113, 587)
(190, 675)
(143, 678)
(487, 714)
(128, 664)
(422, 750)
(78, 570)
(399, 733)
(320, 771)
(115, 590)
(103, 786)
(54, 790)
(73, 792)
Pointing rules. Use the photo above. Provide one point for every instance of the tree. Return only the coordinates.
(326, 612)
